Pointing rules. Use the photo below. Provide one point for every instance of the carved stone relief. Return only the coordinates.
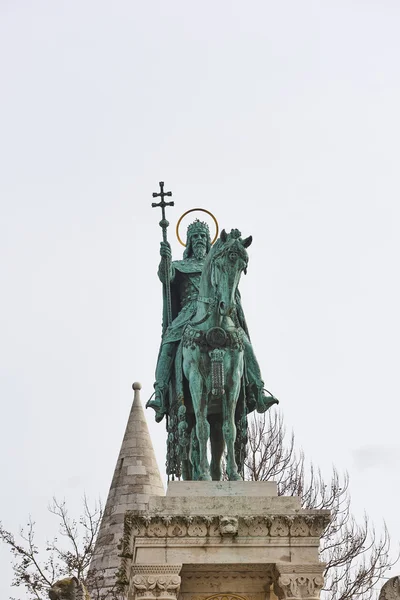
(149, 587)
(213, 526)
(299, 582)
(301, 586)
(391, 590)
(228, 526)
(280, 526)
(150, 582)
(225, 595)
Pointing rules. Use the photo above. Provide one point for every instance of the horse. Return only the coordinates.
(213, 356)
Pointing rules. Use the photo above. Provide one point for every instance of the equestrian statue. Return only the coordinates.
(207, 376)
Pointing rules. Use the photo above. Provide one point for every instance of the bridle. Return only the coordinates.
(213, 302)
(212, 305)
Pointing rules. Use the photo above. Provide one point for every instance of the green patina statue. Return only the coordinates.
(207, 376)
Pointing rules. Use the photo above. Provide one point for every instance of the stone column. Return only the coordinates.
(155, 582)
(299, 581)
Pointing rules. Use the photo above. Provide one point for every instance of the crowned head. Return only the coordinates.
(198, 240)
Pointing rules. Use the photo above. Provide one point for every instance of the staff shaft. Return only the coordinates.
(167, 266)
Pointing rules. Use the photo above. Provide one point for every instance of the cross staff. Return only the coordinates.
(164, 225)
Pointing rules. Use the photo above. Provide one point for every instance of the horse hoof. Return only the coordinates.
(205, 478)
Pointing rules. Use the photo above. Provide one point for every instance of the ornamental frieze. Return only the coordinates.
(222, 597)
(175, 526)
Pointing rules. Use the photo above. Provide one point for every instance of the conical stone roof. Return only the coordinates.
(136, 478)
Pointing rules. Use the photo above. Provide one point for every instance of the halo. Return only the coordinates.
(193, 210)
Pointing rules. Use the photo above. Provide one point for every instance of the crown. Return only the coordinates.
(198, 226)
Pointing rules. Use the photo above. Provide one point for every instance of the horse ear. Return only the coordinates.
(224, 235)
(247, 241)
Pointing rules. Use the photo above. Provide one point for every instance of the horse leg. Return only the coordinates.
(187, 474)
(229, 401)
(203, 434)
(198, 393)
(217, 447)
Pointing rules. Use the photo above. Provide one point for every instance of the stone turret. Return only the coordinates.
(136, 478)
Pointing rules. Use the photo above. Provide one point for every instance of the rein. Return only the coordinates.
(212, 302)
(212, 305)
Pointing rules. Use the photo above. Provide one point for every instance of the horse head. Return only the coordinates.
(225, 263)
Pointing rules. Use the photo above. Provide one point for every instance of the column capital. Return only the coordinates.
(155, 582)
(299, 581)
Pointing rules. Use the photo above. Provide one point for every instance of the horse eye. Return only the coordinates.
(233, 255)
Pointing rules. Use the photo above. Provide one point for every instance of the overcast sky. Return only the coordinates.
(280, 117)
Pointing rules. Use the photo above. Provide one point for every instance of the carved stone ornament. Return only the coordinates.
(156, 581)
(170, 526)
(221, 597)
(228, 526)
(257, 571)
(391, 589)
(300, 584)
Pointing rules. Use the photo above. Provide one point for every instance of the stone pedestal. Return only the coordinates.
(222, 541)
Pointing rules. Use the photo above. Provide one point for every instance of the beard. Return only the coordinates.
(199, 251)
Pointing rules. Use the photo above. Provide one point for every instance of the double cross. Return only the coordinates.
(162, 204)
(164, 224)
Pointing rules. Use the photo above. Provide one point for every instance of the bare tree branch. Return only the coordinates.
(36, 574)
(356, 559)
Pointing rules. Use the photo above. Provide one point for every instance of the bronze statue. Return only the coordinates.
(207, 376)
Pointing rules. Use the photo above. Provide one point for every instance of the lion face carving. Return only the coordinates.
(228, 526)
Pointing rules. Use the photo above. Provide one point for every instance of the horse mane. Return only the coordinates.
(220, 248)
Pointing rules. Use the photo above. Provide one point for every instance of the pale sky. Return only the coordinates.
(280, 117)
